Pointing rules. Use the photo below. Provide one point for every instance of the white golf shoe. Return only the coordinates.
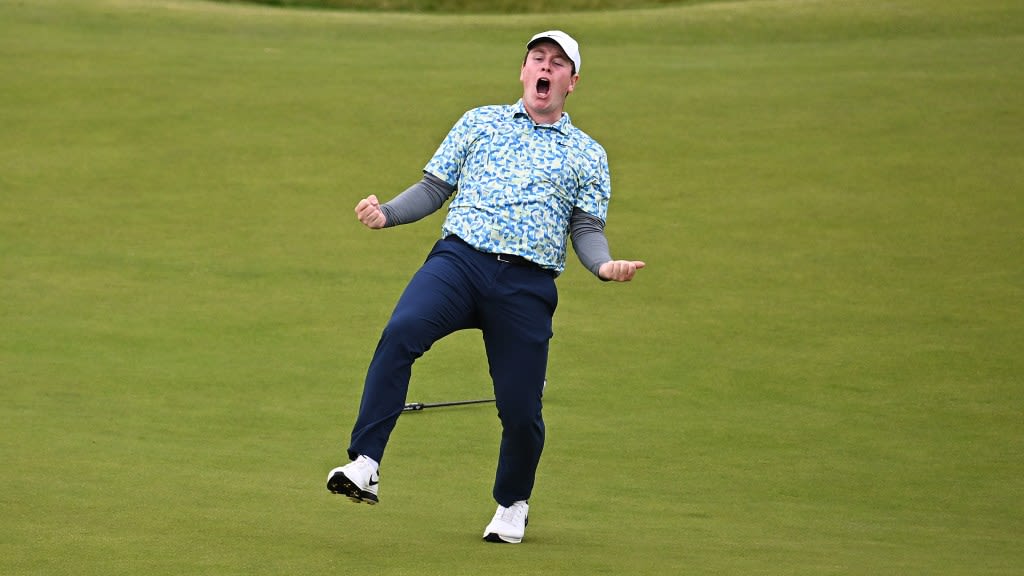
(508, 524)
(357, 480)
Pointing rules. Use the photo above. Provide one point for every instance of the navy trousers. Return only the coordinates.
(459, 288)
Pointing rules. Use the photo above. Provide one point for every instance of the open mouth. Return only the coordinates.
(543, 86)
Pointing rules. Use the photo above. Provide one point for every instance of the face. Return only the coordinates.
(547, 79)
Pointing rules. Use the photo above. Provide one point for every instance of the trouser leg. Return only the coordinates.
(517, 330)
(436, 302)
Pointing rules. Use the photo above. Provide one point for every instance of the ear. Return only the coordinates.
(572, 83)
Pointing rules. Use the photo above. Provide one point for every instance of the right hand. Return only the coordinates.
(369, 213)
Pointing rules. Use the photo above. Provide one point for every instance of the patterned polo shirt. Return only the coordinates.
(517, 182)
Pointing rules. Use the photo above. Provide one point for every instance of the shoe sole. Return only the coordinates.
(499, 539)
(340, 484)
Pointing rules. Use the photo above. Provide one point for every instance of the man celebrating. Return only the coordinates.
(522, 180)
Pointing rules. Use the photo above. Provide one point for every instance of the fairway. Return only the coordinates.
(820, 371)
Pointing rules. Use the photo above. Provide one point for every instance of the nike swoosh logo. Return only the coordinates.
(374, 482)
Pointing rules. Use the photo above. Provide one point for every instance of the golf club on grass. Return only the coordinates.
(418, 406)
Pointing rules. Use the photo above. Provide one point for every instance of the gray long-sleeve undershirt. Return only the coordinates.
(429, 194)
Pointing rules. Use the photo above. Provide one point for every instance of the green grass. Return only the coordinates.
(819, 372)
(471, 6)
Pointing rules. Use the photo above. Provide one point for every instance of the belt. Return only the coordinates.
(513, 259)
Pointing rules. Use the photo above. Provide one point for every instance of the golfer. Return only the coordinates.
(522, 180)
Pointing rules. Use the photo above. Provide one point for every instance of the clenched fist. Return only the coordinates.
(369, 213)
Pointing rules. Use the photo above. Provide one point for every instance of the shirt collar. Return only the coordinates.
(564, 123)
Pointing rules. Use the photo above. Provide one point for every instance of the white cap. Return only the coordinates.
(570, 46)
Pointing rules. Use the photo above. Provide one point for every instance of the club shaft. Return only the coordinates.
(417, 406)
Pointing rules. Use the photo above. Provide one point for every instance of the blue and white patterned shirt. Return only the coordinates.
(517, 182)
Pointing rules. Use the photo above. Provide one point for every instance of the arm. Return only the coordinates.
(591, 246)
(417, 201)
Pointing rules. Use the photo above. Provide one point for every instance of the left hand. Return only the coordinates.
(619, 270)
